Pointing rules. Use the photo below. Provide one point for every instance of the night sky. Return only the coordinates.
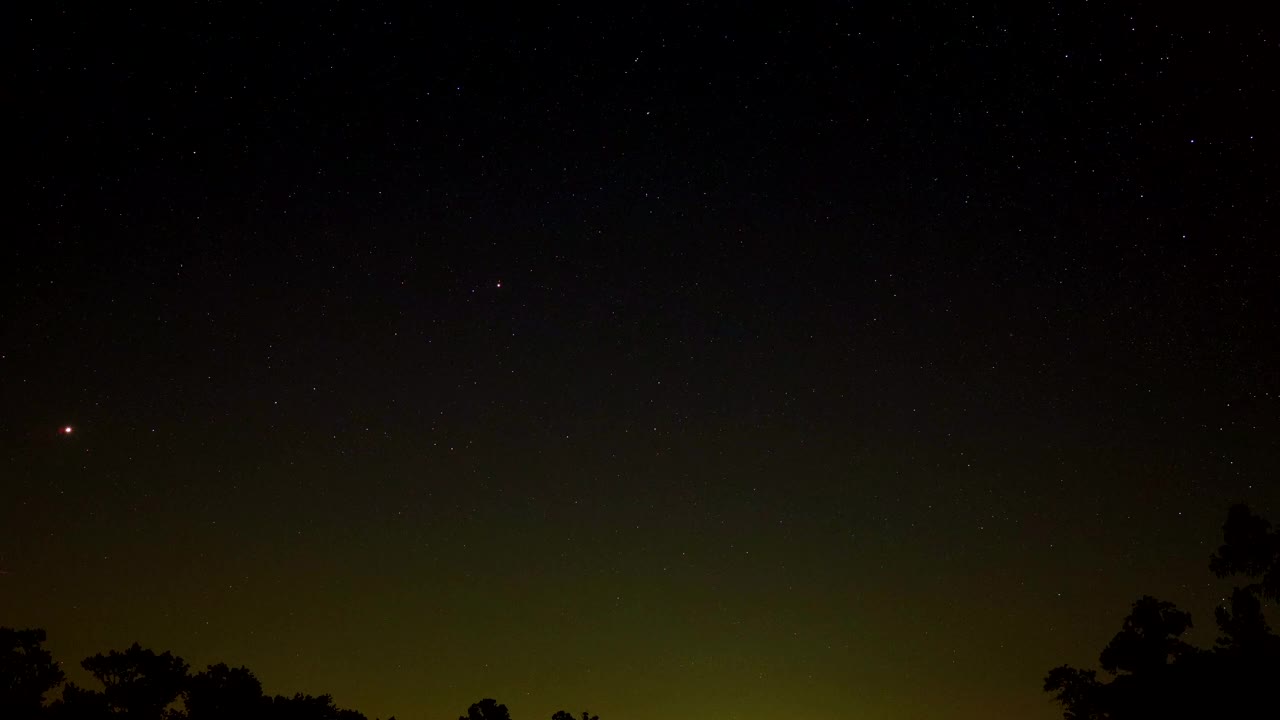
(664, 361)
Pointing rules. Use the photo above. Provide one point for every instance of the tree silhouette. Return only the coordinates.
(1252, 549)
(78, 703)
(1149, 662)
(565, 715)
(308, 707)
(486, 709)
(138, 683)
(1244, 628)
(1155, 674)
(27, 672)
(222, 692)
(1149, 640)
(1079, 692)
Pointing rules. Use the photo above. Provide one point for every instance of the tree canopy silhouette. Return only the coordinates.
(486, 709)
(1155, 674)
(565, 715)
(308, 707)
(140, 684)
(27, 672)
(221, 692)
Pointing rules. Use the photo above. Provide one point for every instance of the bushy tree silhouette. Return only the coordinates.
(1252, 549)
(1155, 674)
(139, 684)
(223, 692)
(486, 709)
(308, 707)
(77, 703)
(1149, 640)
(27, 672)
(565, 715)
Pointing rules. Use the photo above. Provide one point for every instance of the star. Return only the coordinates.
(67, 430)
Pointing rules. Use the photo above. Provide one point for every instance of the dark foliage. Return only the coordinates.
(223, 692)
(1155, 674)
(308, 707)
(139, 684)
(486, 709)
(27, 672)
(1250, 548)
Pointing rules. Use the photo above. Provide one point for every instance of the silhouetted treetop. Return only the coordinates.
(27, 672)
(138, 682)
(1150, 638)
(1155, 674)
(1244, 627)
(308, 707)
(486, 709)
(1250, 548)
(1078, 691)
(223, 692)
(565, 715)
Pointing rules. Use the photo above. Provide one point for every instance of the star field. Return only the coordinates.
(667, 361)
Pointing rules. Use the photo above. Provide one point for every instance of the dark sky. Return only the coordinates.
(666, 361)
